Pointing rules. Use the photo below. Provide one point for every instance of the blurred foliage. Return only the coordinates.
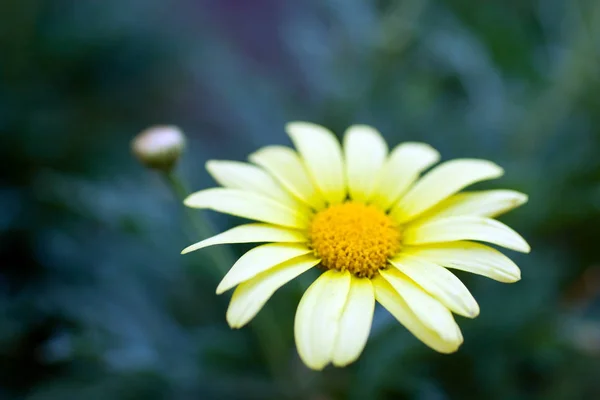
(95, 300)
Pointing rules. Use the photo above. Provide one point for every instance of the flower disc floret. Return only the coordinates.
(354, 237)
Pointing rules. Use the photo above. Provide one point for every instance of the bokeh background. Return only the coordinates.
(97, 303)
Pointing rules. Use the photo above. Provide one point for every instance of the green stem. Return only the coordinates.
(265, 325)
(220, 256)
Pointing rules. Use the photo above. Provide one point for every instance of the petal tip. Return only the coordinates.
(517, 275)
(344, 362)
(455, 342)
(362, 129)
(189, 201)
(292, 128)
(222, 288)
(455, 349)
(511, 276)
(233, 322)
(296, 129)
(256, 156)
(493, 170)
(253, 157)
(293, 125)
(474, 313)
(521, 198)
(496, 171)
(450, 350)
(315, 367)
(525, 248)
(210, 164)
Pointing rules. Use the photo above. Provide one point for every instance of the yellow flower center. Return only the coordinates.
(354, 237)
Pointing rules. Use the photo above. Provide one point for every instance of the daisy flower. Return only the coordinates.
(375, 228)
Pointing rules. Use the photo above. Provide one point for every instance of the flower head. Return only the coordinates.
(377, 230)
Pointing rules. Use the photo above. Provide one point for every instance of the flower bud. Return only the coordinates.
(159, 147)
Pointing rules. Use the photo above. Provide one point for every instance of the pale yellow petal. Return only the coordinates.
(248, 177)
(365, 152)
(452, 229)
(287, 168)
(441, 182)
(429, 310)
(248, 205)
(303, 325)
(401, 170)
(251, 233)
(470, 257)
(322, 155)
(317, 318)
(250, 296)
(488, 203)
(440, 283)
(391, 300)
(260, 259)
(355, 324)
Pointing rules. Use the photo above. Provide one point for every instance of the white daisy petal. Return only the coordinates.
(470, 257)
(355, 324)
(441, 182)
(401, 170)
(393, 302)
(260, 259)
(240, 175)
(250, 296)
(317, 318)
(287, 168)
(440, 283)
(303, 325)
(248, 205)
(488, 203)
(365, 152)
(322, 155)
(452, 229)
(251, 233)
(430, 311)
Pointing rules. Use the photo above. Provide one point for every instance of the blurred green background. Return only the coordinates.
(97, 303)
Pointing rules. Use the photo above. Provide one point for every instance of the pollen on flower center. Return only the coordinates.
(355, 237)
